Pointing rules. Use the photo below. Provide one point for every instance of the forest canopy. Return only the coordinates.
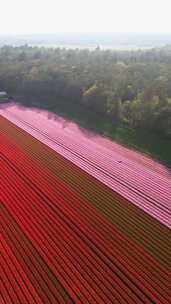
(129, 87)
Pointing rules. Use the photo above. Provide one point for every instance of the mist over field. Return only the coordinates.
(90, 40)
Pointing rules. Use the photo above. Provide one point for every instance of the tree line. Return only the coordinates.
(132, 88)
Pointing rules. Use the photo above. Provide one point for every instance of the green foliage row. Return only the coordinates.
(130, 87)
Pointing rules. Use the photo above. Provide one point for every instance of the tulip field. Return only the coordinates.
(81, 219)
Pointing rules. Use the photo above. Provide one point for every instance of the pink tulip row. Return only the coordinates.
(142, 181)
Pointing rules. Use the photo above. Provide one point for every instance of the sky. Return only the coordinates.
(54, 16)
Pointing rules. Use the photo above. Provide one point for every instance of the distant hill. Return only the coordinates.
(91, 41)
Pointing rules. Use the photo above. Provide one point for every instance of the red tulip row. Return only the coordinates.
(96, 195)
(63, 237)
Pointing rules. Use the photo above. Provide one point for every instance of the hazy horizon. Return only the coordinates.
(106, 40)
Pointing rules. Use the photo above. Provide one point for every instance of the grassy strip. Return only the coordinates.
(145, 141)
